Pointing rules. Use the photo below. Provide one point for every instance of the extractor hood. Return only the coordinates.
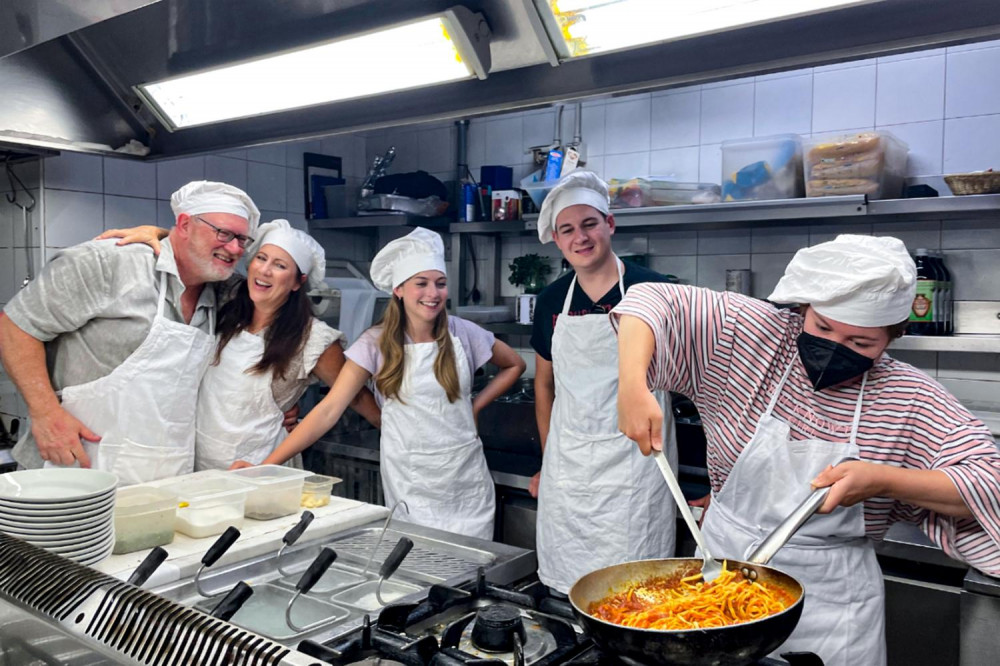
(76, 90)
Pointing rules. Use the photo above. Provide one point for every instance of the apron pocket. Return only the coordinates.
(456, 474)
(139, 463)
(592, 462)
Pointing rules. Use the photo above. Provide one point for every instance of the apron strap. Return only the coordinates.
(161, 302)
(777, 390)
(572, 285)
(857, 409)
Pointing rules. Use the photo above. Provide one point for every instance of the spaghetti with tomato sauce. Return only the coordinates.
(689, 603)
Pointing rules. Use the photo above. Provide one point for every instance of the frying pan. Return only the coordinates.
(734, 645)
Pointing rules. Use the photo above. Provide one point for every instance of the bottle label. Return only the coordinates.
(923, 302)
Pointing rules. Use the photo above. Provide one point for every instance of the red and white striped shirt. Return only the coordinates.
(727, 353)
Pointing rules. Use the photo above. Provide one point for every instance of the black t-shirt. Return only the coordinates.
(549, 305)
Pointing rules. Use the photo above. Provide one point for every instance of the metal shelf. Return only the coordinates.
(773, 212)
(366, 222)
(952, 343)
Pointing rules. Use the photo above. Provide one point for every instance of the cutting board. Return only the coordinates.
(257, 537)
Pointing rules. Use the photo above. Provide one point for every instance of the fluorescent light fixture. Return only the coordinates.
(584, 27)
(449, 46)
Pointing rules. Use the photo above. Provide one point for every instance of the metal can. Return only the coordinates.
(468, 202)
(738, 280)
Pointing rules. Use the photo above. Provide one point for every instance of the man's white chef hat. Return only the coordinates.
(420, 250)
(205, 196)
(577, 187)
(856, 280)
(307, 253)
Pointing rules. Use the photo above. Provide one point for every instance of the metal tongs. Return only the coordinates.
(710, 567)
(789, 526)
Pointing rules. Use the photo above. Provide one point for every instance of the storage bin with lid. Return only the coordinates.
(208, 503)
(870, 163)
(762, 168)
(275, 491)
(316, 490)
(144, 518)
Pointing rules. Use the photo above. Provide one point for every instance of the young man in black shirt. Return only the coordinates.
(598, 503)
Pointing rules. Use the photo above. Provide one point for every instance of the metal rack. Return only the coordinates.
(774, 213)
(770, 213)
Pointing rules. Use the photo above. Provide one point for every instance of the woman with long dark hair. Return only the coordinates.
(269, 349)
(422, 362)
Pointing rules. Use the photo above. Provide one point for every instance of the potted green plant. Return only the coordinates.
(529, 272)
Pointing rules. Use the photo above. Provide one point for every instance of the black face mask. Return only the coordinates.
(828, 363)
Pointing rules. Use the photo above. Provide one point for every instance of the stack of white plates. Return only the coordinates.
(68, 511)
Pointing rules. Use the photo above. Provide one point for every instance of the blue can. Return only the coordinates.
(467, 212)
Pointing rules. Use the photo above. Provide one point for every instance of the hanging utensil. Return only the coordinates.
(12, 197)
(710, 568)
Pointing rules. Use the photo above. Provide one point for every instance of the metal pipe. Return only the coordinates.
(461, 149)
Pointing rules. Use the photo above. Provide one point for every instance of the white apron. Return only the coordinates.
(144, 410)
(430, 453)
(600, 501)
(843, 613)
(237, 416)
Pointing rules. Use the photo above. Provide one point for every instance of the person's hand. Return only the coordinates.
(703, 503)
(240, 464)
(147, 234)
(291, 418)
(851, 482)
(58, 434)
(533, 486)
(641, 419)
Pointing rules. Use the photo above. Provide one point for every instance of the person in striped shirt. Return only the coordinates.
(785, 395)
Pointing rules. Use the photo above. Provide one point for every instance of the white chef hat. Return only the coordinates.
(577, 187)
(418, 251)
(856, 280)
(307, 253)
(205, 196)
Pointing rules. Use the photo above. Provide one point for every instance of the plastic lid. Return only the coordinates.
(266, 474)
(136, 498)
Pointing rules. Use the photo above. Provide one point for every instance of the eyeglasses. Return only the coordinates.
(225, 235)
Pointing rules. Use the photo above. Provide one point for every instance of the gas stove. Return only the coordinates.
(480, 623)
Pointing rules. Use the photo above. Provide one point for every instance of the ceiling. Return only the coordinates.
(68, 75)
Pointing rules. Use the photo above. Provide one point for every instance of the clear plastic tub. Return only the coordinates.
(870, 163)
(762, 168)
(538, 191)
(144, 518)
(275, 491)
(208, 503)
(316, 490)
(652, 191)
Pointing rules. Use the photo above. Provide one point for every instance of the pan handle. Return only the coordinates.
(790, 525)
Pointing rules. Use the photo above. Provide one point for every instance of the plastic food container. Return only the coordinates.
(762, 168)
(144, 518)
(316, 490)
(275, 491)
(538, 191)
(871, 163)
(208, 503)
(640, 192)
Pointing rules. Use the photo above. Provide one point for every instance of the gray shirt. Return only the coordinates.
(93, 304)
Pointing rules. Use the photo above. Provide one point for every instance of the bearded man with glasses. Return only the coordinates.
(108, 345)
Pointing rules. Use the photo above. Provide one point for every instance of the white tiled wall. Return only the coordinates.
(941, 102)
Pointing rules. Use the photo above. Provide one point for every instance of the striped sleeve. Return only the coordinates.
(970, 458)
(686, 322)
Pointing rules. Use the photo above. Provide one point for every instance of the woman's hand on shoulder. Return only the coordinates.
(148, 234)
(240, 464)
